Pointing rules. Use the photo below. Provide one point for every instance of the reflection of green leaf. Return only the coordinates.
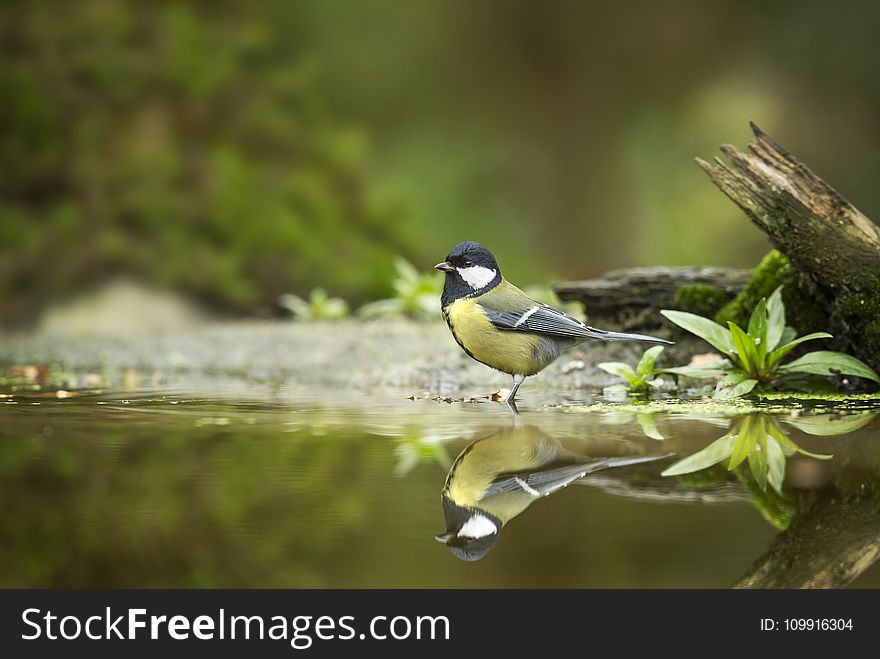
(716, 452)
(756, 437)
(746, 439)
(775, 464)
(649, 426)
(773, 505)
(828, 425)
(758, 462)
(783, 439)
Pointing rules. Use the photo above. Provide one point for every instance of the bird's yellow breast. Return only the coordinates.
(510, 352)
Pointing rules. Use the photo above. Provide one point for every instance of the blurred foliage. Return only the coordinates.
(219, 149)
(319, 306)
(184, 144)
(416, 295)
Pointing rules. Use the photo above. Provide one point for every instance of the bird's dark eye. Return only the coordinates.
(467, 263)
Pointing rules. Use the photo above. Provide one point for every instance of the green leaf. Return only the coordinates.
(758, 462)
(741, 389)
(749, 429)
(782, 350)
(712, 369)
(646, 364)
(649, 426)
(775, 319)
(829, 425)
(758, 331)
(828, 362)
(621, 370)
(788, 334)
(746, 350)
(706, 329)
(716, 452)
(775, 464)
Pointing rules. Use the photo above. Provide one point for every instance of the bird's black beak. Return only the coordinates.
(445, 266)
(444, 537)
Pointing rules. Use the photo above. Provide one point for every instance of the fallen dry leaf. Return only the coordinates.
(573, 365)
(704, 358)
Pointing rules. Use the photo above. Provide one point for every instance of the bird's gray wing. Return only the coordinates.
(547, 481)
(544, 319)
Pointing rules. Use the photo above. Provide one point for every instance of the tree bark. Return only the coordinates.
(829, 544)
(630, 299)
(833, 247)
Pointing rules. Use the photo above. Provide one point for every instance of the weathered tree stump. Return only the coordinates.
(832, 246)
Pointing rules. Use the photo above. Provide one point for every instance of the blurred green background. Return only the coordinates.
(236, 151)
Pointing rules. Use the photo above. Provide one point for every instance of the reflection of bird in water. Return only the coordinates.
(496, 478)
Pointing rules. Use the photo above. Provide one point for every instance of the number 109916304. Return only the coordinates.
(806, 624)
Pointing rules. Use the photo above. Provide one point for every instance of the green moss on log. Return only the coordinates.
(701, 299)
(860, 313)
(801, 310)
(773, 271)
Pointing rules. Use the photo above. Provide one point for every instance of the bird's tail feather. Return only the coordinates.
(624, 461)
(594, 333)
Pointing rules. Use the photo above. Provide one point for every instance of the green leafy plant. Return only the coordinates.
(756, 438)
(753, 357)
(641, 379)
(319, 306)
(417, 295)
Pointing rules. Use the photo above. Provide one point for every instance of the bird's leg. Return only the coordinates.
(517, 380)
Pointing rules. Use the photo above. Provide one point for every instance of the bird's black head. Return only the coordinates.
(470, 270)
(470, 532)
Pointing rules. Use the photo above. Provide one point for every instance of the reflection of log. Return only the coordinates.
(832, 246)
(829, 543)
(630, 299)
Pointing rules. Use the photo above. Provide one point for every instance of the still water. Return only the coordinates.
(292, 488)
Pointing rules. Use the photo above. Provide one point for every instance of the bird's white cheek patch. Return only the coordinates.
(478, 526)
(477, 276)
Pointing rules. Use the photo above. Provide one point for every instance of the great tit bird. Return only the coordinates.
(499, 325)
(496, 478)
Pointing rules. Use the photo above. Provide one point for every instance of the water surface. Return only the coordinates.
(291, 487)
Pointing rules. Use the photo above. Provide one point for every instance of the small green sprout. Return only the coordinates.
(319, 306)
(641, 379)
(753, 357)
